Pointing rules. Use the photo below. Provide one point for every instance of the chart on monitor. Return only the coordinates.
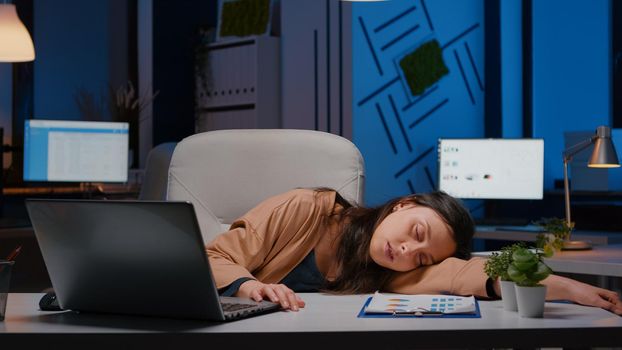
(491, 168)
(75, 151)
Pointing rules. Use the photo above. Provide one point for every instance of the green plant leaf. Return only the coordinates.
(523, 255)
(498, 262)
(559, 228)
(515, 274)
(525, 266)
(542, 271)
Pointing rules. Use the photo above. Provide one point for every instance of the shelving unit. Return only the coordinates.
(238, 85)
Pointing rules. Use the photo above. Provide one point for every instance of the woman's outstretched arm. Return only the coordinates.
(452, 275)
(562, 288)
(467, 277)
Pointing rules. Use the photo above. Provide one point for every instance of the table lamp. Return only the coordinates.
(16, 41)
(603, 156)
(15, 46)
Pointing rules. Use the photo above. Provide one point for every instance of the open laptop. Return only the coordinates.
(131, 257)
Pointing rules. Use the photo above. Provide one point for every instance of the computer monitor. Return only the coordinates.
(75, 151)
(491, 168)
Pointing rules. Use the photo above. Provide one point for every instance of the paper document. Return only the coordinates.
(421, 304)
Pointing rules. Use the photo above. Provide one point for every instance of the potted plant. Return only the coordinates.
(497, 267)
(556, 231)
(527, 270)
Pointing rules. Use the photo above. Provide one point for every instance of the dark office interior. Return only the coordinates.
(512, 106)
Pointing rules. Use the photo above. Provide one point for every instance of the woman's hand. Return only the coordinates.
(276, 293)
(582, 293)
(586, 294)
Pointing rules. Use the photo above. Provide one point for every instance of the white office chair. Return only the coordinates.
(155, 181)
(225, 173)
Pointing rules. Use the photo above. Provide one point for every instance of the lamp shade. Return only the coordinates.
(15, 41)
(604, 153)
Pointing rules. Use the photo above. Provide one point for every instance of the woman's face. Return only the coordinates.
(410, 237)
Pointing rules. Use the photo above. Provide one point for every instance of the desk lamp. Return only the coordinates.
(603, 156)
(16, 41)
(15, 46)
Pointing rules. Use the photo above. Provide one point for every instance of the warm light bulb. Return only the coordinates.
(15, 41)
(603, 165)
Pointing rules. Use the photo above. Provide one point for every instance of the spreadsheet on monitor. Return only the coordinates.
(491, 168)
(75, 151)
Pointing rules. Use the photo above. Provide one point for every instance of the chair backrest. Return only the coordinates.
(225, 173)
(155, 181)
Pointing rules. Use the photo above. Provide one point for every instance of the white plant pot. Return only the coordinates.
(530, 301)
(508, 294)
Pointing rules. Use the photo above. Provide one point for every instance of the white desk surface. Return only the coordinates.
(601, 260)
(327, 320)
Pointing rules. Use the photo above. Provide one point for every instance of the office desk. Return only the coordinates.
(326, 322)
(601, 260)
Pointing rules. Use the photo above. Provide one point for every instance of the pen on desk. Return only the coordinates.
(12, 256)
(14, 253)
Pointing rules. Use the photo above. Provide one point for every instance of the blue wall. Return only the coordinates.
(571, 73)
(571, 82)
(397, 132)
(71, 40)
(511, 68)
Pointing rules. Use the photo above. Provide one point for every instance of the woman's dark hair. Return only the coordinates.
(358, 272)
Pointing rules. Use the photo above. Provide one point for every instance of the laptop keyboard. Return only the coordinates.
(230, 307)
(236, 308)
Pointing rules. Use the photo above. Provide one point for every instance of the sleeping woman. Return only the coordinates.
(309, 240)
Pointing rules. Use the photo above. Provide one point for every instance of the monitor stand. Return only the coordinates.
(87, 189)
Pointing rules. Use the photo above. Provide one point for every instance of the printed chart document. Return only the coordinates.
(396, 304)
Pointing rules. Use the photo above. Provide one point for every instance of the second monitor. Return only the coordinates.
(75, 151)
(491, 168)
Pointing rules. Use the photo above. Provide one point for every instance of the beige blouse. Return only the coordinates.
(274, 237)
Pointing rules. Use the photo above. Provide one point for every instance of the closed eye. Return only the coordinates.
(418, 232)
